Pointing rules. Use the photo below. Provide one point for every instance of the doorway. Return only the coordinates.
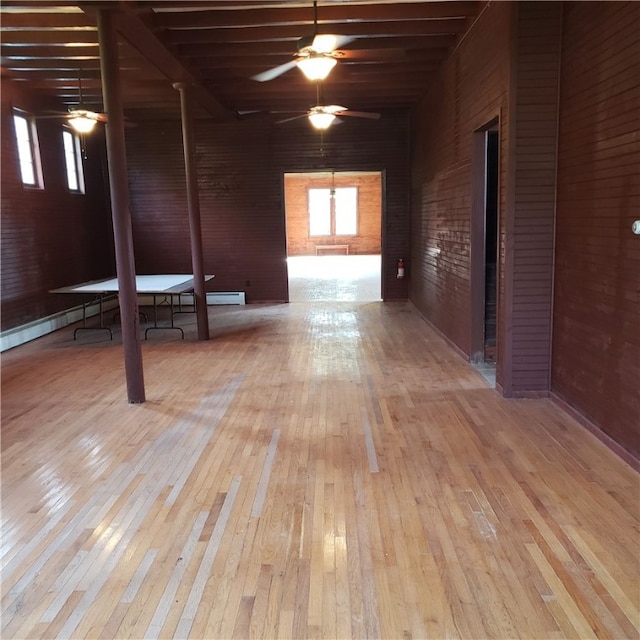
(334, 235)
(484, 245)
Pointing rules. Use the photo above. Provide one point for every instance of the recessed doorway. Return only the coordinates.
(484, 247)
(334, 222)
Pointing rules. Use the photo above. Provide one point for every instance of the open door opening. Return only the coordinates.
(334, 236)
(491, 246)
(484, 248)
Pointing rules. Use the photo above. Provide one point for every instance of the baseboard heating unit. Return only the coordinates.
(213, 297)
(225, 297)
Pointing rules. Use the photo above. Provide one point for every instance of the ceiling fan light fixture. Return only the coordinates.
(316, 67)
(82, 122)
(321, 119)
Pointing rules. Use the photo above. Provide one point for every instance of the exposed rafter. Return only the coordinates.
(217, 46)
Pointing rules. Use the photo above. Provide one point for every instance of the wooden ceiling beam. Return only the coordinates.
(362, 30)
(139, 35)
(328, 15)
(57, 20)
(396, 47)
(238, 50)
(241, 91)
(59, 37)
(32, 6)
(130, 84)
(51, 52)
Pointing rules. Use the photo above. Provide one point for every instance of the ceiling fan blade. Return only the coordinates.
(325, 42)
(331, 108)
(99, 117)
(373, 54)
(88, 113)
(359, 114)
(343, 41)
(303, 115)
(271, 74)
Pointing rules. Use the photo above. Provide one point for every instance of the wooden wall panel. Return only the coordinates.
(530, 211)
(368, 238)
(241, 169)
(50, 237)
(505, 69)
(596, 331)
(471, 91)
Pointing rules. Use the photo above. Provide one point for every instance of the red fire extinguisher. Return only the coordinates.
(400, 269)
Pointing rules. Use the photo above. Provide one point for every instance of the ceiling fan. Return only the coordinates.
(323, 116)
(316, 54)
(81, 119)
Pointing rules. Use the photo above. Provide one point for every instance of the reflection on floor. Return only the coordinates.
(346, 279)
(334, 278)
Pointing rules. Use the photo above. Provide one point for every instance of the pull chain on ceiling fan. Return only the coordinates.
(81, 119)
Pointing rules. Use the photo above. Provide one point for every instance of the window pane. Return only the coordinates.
(25, 150)
(319, 212)
(346, 211)
(70, 160)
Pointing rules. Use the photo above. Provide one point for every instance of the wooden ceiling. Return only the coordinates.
(219, 45)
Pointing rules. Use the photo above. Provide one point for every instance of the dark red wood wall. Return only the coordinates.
(596, 332)
(529, 212)
(564, 82)
(50, 237)
(471, 91)
(241, 167)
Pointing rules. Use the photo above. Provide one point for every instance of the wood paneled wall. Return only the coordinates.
(568, 313)
(367, 240)
(471, 92)
(529, 215)
(241, 169)
(596, 332)
(50, 237)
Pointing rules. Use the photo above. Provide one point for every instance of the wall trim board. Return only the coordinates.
(624, 454)
(442, 335)
(37, 328)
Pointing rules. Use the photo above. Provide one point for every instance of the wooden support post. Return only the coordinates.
(193, 204)
(119, 188)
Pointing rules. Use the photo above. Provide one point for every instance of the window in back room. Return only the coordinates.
(333, 212)
(28, 153)
(73, 161)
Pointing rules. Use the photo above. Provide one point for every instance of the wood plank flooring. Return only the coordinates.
(327, 470)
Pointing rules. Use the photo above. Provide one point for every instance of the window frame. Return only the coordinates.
(332, 212)
(32, 147)
(76, 156)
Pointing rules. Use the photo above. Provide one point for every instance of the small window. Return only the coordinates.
(333, 212)
(28, 156)
(73, 161)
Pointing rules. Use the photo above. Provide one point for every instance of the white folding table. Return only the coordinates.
(166, 285)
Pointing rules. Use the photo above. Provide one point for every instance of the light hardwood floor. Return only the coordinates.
(324, 470)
